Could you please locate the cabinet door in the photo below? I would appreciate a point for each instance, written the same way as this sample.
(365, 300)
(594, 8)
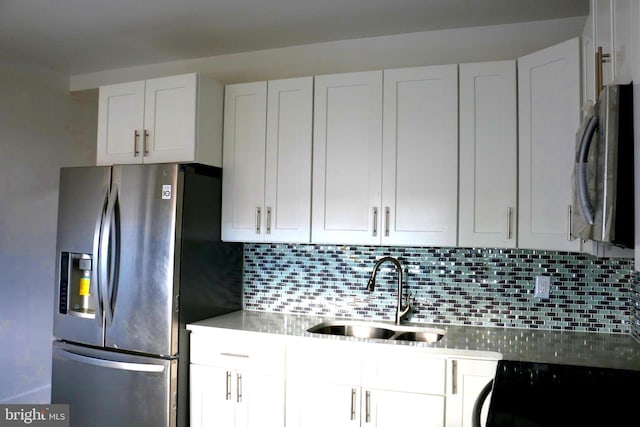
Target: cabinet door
(347, 158)
(588, 58)
(319, 404)
(613, 24)
(259, 400)
(603, 35)
(623, 22)
(243, 162)
(420, 156)
(170, 119)
(488, 154)
(287, 210)
(392, 408)
(120, 123)
(470, 377)
(211, 402)
(549, 117)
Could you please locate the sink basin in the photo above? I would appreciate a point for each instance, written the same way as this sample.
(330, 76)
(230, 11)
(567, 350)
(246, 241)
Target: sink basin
(351, 328)
(431, 335)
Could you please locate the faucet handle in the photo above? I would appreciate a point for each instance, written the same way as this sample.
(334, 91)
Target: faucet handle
(405, 310)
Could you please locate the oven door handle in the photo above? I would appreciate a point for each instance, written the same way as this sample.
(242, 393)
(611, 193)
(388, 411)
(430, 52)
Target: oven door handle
(582, 185)
(479, 403)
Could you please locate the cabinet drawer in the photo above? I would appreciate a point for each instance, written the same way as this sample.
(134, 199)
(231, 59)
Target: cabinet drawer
(324, 360)
(238, 350)
(404, 370)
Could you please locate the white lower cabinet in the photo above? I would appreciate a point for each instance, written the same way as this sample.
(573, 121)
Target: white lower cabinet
(240, 379)
(469, 377)
(346, 384)
(236, 381)
(226, 397)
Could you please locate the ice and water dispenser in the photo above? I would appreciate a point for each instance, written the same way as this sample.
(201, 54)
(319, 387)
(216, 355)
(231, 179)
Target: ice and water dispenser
(75, 285)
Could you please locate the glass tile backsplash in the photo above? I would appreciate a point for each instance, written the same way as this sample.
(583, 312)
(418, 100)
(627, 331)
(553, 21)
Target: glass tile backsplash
(462, 286)
(635, 298)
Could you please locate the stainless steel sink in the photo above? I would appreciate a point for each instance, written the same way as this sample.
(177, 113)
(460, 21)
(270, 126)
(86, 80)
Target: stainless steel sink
(430, 335)
(352, 328)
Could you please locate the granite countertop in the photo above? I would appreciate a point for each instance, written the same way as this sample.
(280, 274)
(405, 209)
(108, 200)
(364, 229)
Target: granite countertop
(564, 347)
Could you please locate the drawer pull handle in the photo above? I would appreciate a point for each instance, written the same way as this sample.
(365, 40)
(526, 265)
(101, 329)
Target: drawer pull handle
(246, 356)
(239, 388)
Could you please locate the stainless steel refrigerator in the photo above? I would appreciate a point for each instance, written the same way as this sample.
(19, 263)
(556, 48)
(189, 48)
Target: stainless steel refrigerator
(138, 256)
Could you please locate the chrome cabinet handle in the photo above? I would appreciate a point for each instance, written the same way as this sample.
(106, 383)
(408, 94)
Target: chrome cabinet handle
(238, 388)
(258, 219)
(601, 58)
(367, 406)
(145, 146)
(228, 384)
(375, 221)
(353, 404)
(509, 223)
(268, 220)
(570, 222)
(454, 377)
(136, 135)
(387, 212)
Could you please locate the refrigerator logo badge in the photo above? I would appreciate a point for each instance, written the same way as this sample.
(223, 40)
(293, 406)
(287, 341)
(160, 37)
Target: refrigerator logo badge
(166, 192)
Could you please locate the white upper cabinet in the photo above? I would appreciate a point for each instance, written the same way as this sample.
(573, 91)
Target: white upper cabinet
(399, 188)
(168, 119)
(347, 162)
(488, 155)
(609, 26)
(420, 156)
(267, 161)
(612, 30)
(549, 117)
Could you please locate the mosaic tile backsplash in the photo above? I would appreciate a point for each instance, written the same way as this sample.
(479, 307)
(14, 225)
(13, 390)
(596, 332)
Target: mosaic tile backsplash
(635, 318)
(478, 286)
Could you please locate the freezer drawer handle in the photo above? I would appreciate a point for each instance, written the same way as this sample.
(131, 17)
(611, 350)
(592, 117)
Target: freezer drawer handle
(123, 366)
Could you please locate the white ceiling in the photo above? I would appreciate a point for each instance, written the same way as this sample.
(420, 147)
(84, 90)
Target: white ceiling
(83, 36)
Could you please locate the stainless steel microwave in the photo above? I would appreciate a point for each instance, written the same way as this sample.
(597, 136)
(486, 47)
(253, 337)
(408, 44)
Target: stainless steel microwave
(603, 173)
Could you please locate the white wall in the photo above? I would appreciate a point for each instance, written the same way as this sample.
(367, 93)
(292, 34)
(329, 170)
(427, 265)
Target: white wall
(36, 139)
(405, 50)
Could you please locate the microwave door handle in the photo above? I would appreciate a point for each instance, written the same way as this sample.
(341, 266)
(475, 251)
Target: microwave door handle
(585, 205)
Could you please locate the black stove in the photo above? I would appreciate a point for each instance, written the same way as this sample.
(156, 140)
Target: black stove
(526, 394)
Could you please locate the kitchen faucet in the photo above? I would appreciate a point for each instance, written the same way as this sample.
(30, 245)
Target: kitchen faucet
(400, 310)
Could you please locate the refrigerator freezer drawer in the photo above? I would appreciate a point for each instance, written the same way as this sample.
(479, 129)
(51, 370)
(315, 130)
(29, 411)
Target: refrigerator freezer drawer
(105, 388)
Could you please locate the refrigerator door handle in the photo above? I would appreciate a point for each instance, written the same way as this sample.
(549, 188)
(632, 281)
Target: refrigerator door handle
(96, 258)
(105, 275)
(123, 366)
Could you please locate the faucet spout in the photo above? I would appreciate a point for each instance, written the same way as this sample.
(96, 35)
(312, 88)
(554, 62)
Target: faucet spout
(401, 310)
